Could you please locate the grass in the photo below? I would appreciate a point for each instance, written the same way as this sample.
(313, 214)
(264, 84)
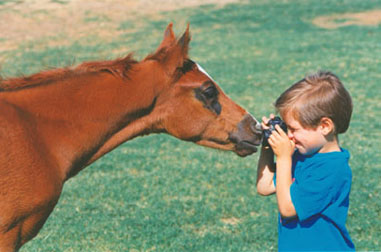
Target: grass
(159, 194)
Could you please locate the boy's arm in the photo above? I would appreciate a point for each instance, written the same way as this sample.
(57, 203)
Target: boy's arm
(283, 184)
(266, 166)
(265, 172)
(283, 148)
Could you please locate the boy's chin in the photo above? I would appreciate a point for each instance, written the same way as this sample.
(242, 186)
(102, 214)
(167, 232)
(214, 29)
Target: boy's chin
(306, 152)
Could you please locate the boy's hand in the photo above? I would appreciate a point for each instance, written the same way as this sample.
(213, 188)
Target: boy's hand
(265, 121)
(265, 126)
(280, 143)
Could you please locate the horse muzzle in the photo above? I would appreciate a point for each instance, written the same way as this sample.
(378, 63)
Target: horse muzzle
(247, 137)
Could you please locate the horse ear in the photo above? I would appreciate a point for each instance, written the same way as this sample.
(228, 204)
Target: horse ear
(168, 41)
(169, 38)
(183, 42)
(178, 53)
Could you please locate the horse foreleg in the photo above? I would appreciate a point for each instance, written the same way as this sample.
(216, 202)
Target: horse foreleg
(32, 225)
(10, 240)
(24, 229)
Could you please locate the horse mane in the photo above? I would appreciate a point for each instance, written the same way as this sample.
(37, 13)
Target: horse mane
(119, 68)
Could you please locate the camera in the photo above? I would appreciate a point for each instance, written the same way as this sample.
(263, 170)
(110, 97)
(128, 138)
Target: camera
(272, 123)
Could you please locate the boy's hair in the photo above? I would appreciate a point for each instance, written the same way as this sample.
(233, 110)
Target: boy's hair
(314, 97)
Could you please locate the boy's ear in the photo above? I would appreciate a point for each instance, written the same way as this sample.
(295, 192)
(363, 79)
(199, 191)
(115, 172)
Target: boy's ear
(327, 126)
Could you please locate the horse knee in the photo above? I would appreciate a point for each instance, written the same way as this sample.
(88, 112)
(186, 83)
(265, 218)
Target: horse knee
(10, 240)
(32, 225)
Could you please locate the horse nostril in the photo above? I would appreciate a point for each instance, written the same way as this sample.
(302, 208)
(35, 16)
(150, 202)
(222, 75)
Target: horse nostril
(256, 128)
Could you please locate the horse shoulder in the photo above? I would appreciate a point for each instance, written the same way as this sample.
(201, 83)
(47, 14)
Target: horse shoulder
(29, 186)
(25, 165)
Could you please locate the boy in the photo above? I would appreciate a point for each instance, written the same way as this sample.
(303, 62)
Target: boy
(312, 179)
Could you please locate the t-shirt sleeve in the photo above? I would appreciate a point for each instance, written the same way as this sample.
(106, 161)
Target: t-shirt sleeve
(313, 190)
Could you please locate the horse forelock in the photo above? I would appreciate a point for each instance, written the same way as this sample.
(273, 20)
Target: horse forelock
(119, 68)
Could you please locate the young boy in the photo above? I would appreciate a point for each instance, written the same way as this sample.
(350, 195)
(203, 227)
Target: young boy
(312, 176)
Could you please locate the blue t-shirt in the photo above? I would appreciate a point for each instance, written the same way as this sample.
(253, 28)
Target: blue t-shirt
(320, 194)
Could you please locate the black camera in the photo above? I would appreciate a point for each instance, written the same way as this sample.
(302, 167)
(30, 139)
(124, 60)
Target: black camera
(272, 123)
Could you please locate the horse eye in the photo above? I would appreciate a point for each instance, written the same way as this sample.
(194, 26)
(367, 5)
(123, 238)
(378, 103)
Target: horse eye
(210, 92)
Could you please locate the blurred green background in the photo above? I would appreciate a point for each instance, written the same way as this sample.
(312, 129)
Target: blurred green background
(157, 193)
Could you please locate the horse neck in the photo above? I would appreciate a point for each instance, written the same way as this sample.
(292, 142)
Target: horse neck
(77, 116)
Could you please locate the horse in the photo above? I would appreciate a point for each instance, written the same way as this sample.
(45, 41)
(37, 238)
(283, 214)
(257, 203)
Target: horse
(56, 122)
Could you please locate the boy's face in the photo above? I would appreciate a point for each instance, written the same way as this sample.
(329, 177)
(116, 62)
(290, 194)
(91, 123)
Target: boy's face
(307, 140)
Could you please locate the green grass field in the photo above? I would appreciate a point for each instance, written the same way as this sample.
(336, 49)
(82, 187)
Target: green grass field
(157, 193)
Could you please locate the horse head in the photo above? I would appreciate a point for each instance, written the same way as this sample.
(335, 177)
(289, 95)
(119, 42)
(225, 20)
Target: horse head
(191, 106)
(59, 121)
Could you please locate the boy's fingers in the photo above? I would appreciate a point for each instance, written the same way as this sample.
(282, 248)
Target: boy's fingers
(264, 126)
(264, 123)
(280, 130)
(271, 142)
(274, 133)
(274, 136)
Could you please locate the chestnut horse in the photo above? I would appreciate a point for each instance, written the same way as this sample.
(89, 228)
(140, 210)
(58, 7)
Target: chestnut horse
(55, 123)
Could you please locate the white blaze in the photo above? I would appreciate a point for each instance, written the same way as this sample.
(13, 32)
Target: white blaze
(258, 126)
(202, 70)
